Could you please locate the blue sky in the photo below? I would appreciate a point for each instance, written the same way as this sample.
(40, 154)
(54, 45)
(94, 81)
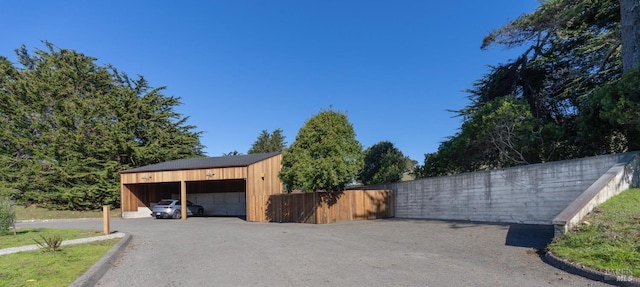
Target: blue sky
(240, 67)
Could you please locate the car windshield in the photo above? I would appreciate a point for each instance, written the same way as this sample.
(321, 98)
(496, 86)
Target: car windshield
(164, 202)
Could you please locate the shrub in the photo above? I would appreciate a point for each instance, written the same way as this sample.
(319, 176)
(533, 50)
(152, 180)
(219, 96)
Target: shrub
(7, 215)
(49, 244)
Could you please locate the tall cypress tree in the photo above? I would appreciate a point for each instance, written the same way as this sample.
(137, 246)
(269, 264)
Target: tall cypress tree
(544, 99)
(71, 125)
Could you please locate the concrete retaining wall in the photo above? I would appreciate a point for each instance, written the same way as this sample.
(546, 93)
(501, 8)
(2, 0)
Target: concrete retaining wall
(532, 194)
(618, 178)
(142, 212)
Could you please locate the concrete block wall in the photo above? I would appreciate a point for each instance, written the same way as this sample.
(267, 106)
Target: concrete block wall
(532, 194)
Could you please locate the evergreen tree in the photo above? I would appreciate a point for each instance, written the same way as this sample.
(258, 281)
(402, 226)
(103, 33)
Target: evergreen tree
(540, 106)
(268, 142)
(70, 126)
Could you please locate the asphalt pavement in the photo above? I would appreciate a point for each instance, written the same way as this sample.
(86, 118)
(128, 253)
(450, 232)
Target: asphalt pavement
(227, 251)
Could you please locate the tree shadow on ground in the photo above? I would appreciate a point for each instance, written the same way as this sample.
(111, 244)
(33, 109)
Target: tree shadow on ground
(529, 235)
(534, 236)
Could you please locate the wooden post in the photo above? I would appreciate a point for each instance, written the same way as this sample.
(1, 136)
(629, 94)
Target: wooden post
(183, 199)
(105, 220)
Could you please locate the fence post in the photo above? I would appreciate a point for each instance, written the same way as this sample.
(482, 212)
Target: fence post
(105, 220)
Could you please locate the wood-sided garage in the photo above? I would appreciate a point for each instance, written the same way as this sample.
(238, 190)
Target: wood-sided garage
(227, 185)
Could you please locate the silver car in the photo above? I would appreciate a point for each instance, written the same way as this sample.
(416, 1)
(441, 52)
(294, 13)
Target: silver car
(170, 208)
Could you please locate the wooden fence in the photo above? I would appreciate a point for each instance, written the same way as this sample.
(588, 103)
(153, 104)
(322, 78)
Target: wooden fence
(328, 207)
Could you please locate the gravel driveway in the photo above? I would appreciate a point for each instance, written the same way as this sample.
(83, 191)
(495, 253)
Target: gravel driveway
(232, 252)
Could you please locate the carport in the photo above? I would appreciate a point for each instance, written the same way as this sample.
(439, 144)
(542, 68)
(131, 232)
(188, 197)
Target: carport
(227, 185)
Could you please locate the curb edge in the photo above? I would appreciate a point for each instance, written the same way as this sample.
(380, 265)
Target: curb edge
(581, 270)
(98, 269)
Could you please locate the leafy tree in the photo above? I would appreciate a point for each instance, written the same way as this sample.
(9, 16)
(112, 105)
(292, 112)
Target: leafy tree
(232, 153)
(383, 163)
(69, 126)
(268, 142)
(324, 156)
(409, 164)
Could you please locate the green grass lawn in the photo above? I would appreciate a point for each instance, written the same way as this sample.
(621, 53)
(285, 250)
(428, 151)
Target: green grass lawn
(38, 213)
(60, 268)
(26, 236)
(609, 237)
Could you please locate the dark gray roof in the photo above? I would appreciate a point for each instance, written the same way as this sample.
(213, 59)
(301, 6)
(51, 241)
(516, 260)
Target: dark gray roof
(205, 162)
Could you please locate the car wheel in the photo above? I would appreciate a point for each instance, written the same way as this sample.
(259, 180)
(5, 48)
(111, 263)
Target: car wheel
(158, 217)
(177, 214)
(200, 212)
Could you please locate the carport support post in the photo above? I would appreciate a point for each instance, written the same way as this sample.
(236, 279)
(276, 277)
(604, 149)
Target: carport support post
(105, 220)
(183, 199)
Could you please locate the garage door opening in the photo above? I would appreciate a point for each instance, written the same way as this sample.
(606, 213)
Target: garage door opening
(219, 197)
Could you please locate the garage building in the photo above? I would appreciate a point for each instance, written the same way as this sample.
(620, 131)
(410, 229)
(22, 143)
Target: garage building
(224, 186)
